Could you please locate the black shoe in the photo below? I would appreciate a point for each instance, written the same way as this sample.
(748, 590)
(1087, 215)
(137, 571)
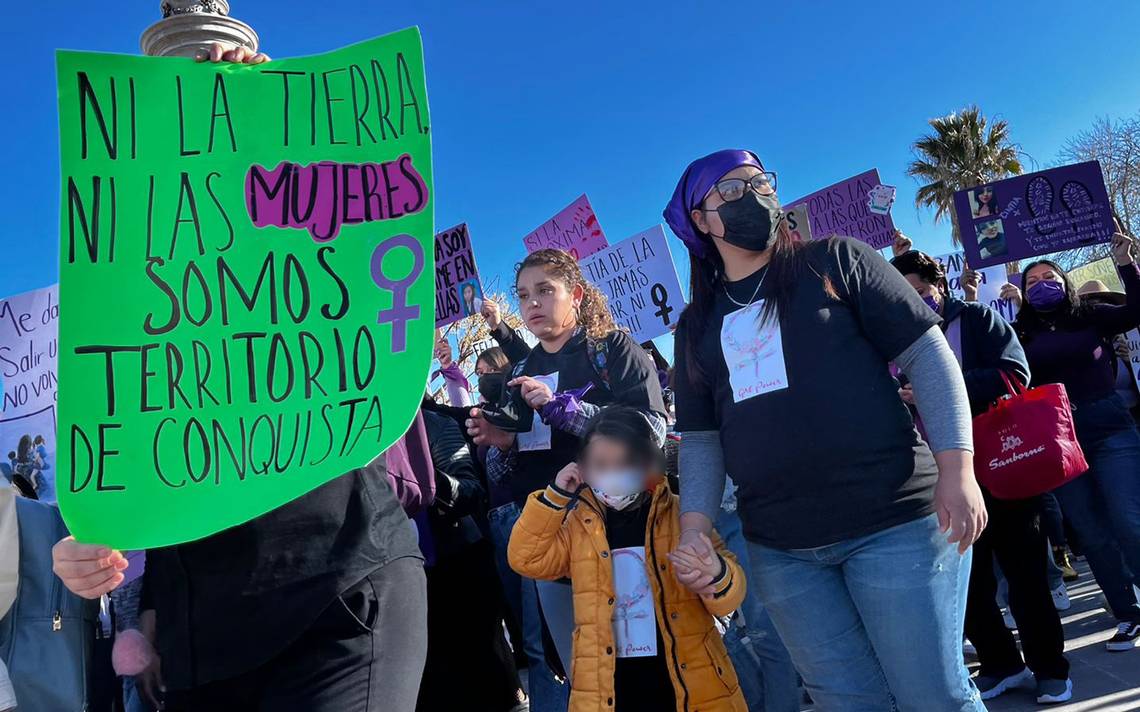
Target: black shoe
(1127, 637)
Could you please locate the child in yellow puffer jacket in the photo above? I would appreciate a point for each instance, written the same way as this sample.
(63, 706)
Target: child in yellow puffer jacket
(642, 640)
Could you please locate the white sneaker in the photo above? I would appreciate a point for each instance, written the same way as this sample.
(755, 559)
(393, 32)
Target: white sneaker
(991, 687)
(968, 649)
(1061, 598)
(1008, 618)
(1051, 692)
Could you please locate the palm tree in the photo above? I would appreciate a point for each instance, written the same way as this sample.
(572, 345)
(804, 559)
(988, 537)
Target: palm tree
(963, 150)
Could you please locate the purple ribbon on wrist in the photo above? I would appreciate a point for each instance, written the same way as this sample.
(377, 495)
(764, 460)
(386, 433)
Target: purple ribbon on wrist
(559, 412)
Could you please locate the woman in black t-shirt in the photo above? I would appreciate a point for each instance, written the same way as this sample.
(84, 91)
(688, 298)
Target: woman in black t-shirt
(782, 381)
(582, 364)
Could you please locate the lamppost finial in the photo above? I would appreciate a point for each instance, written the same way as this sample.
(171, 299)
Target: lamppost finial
(188, 26)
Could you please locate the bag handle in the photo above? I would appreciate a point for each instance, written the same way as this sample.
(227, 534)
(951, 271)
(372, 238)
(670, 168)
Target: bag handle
(1014, 386)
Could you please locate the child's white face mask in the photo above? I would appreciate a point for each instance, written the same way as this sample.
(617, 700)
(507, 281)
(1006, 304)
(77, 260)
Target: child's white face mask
(617, 489)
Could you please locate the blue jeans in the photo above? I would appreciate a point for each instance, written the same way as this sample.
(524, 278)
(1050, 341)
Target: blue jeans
(1103, 505)
(547, 694)
(132, 698)
(763, 665)
(874, 623)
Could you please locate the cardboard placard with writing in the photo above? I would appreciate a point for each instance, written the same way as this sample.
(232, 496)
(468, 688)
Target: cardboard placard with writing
(844, 210)
(574, 229)
(1034, 214)
(458, 292)
(991, 280)
(29, 329)
(640, 281)
(246, 262)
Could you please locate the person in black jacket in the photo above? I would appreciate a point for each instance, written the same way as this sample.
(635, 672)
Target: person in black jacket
(987, 347)
(469, 664)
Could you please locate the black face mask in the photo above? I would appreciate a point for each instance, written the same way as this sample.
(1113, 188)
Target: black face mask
(751, 222)
(491, 386)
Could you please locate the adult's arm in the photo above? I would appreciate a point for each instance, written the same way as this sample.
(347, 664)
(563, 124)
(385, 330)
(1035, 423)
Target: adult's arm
(459, 491)
(633, 381)
(1111, 320)
(702, 475)
(997, 349)
(511, 342)
(939, 391)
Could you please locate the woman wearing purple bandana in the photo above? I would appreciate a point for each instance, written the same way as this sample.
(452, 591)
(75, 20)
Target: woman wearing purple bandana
(858, 532)
(1069, 341)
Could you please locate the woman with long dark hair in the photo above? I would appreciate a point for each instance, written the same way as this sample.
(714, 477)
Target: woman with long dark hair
(988, 349)
(1069, 341)
(858, 534)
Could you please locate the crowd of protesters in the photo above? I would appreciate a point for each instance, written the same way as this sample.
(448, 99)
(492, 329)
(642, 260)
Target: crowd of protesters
(791, 512)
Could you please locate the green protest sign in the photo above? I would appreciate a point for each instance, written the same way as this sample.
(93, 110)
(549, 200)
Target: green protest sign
(246, 281)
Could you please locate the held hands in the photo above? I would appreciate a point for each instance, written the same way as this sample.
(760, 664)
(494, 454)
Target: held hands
(87, 570)
(902, 244)
(534, 392)
(443, 353)
(491, 314)
(971, 280)
(237, 55)
(483, 433)
(1123, 246)
(569, 478)
(959, 505)
(1012, 294)
(696, 563)
(907, 394)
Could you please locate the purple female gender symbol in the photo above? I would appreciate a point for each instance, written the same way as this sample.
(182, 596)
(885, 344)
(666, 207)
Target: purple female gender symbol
(400, 312)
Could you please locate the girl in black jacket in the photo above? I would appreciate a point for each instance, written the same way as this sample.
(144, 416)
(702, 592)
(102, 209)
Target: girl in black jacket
(987, 347)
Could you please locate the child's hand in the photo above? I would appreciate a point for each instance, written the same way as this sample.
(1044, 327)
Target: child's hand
(697, 569)
(569, 478)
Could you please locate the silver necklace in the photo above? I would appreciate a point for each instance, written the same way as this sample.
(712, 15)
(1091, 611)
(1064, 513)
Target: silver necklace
(754, 292)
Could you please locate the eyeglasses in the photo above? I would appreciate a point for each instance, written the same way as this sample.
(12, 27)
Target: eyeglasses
(732, 189)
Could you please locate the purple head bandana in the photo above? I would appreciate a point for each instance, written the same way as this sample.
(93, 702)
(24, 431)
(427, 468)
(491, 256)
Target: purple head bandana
(695, 183)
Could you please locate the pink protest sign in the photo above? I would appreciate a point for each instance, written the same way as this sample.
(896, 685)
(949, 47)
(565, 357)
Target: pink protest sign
(845, 209)
(575, 229)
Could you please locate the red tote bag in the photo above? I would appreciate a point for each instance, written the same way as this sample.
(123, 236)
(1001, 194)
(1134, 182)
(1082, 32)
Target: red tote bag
(1026, 444)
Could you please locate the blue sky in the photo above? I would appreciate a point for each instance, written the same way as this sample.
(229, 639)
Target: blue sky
(534, 103)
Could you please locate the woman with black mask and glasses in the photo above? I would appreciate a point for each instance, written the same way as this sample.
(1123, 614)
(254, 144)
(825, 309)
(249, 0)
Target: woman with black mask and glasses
(859, 532)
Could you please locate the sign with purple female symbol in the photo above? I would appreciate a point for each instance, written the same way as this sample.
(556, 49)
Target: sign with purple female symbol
(247, 266)
(640, 283)
(574, 229)
(1034, 214)
(858, 207)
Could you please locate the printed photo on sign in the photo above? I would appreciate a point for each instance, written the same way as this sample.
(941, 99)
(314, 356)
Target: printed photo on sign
(983, 204)
(470, 297)
(634, 620)
(1034, 214)
(754, 353)
(640, 282)
(539, 436)
(991, 239)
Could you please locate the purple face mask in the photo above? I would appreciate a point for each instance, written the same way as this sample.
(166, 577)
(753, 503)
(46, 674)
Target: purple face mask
(1046, 295)
(932, 302)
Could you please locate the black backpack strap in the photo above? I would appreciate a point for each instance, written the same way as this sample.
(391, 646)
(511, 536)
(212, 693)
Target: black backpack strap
(599, 351)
